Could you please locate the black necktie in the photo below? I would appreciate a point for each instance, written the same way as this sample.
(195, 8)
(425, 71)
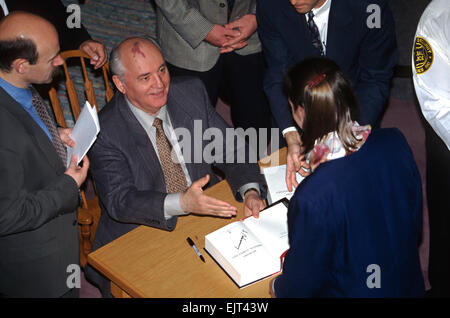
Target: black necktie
(316, 42)
(38, 104)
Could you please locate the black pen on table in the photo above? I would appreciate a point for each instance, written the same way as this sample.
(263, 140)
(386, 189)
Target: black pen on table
(191, 243)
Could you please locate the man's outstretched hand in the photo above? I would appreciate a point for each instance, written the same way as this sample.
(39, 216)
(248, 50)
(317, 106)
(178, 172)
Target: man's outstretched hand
(195, 201)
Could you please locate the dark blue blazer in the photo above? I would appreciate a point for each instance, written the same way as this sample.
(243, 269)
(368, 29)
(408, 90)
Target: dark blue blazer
(355, 225)
(366, 56)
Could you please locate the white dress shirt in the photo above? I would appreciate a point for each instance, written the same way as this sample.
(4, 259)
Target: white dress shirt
(321, 19)
(431, 67)
(172, 205)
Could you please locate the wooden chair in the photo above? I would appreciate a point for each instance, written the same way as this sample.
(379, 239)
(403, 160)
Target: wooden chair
(89, 212)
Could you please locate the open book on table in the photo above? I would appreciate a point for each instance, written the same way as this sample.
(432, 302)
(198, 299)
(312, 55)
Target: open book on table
(84, 133)
(251, 249)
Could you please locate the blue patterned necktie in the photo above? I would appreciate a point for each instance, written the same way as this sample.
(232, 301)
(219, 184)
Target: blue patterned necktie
(42, 111)
(316, 42)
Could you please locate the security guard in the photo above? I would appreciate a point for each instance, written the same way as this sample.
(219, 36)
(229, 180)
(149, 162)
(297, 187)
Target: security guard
(431, 75)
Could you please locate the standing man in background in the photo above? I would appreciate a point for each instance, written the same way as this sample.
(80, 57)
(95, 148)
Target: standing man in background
(358, 35)
(217, 41)
(431, 76)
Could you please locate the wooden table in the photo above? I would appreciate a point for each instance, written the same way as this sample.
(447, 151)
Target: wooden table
(149, 262)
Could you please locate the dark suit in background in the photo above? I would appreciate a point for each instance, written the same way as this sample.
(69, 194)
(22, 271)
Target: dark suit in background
(38, 209)
(128, 173)
(182, 26)
(366, 56)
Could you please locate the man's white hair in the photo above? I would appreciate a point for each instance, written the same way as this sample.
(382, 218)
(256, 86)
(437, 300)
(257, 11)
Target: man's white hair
(115, 62)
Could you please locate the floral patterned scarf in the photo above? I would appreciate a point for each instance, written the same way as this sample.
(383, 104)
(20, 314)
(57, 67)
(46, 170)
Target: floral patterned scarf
(330, 146)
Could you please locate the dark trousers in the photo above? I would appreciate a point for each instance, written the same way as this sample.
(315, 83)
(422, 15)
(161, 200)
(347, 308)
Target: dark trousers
(239, 80)
(438, 196)
(96, 278)
(73, 293)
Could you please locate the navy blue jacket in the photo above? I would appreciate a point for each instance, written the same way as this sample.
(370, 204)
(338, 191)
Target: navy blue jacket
(365, 55)
(355, 225)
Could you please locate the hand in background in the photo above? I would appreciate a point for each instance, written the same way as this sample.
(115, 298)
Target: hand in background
(293, 159)
(220, 35)
(195, 201)
(64, 134)
(97, 52)
(252, 203)
(78, 173)
(247, 25)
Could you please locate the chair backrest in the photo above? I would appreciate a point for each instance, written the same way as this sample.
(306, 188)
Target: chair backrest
(71, 90)
(73, 96)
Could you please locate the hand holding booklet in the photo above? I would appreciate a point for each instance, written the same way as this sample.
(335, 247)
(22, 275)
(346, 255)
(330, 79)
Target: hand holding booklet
(252, 249)
(276, 183)
(84, 133)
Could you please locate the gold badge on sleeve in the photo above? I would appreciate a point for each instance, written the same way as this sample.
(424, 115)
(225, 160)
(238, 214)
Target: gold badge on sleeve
(423, 55)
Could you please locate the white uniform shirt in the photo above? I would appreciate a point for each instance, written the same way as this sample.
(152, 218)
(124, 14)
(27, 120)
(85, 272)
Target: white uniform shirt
(4, 7)
(431, 67)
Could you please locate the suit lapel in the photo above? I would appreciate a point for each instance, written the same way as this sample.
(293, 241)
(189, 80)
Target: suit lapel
(33, 129)
(339, 28)
(294, 27)
(181, 119)
(140, 138)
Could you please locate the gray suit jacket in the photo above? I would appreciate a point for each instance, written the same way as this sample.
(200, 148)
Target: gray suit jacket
(182, 26)
(127, 171)
(38, 202)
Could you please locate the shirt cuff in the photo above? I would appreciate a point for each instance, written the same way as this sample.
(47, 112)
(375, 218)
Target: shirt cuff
(172, 206)
(289, 129)
(248, 186)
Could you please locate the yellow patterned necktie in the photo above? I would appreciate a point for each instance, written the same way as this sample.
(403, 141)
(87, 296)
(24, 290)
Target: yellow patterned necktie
(173, 173)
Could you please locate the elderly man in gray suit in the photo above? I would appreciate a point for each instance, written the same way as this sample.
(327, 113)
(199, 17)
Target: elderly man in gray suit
(217, 41)
(142, 176)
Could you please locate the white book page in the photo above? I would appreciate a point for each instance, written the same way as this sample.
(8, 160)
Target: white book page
(271, 228)
(84, 133)
(276, 183)
(242, 254)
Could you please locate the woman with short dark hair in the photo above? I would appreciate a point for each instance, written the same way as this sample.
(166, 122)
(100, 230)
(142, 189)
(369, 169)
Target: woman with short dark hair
(355, 222)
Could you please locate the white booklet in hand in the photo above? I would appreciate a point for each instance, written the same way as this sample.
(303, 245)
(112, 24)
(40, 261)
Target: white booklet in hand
(251, 249)
(276, 183)
(84, 133)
